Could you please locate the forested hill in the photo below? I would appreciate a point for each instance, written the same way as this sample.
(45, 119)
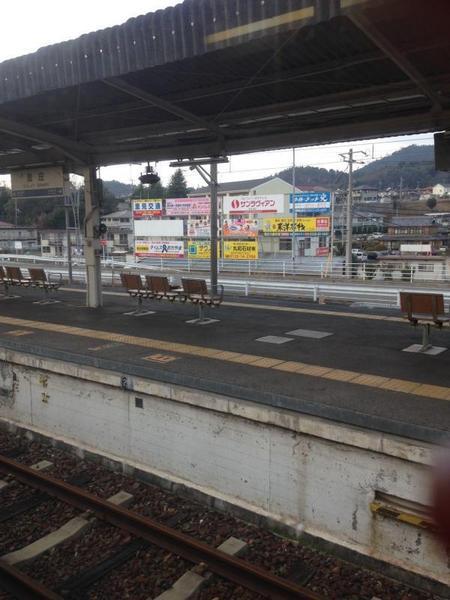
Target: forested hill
(415, 164)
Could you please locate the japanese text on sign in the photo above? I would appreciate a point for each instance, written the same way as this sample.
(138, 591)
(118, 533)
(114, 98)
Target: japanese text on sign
(302, 225)
(146, 208)
(201, 249)
(242, 205)
(160, 249)
(240, 250)
(313, 202)
(177, 207)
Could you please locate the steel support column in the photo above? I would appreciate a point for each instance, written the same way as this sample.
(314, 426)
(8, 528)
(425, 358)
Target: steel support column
(214, 237)
(91, 242)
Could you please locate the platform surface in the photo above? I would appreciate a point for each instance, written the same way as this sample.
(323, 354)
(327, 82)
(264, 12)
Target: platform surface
(330, 361)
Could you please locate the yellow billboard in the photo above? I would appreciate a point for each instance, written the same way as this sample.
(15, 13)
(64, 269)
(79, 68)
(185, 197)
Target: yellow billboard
(302, 225)
(240, 250)
(201, 249)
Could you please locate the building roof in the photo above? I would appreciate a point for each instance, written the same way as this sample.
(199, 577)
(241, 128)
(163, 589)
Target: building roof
(234, 186)
(423, 221)
(118, 214)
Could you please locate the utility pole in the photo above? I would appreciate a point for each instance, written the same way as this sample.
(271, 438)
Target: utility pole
(400, 196)
(294, 206)
(349, 158)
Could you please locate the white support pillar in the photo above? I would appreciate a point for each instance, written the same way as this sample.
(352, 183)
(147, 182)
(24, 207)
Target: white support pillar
(91, 241)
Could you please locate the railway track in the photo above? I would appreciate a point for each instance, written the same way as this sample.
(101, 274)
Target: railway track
(149, 551)
(231, 568)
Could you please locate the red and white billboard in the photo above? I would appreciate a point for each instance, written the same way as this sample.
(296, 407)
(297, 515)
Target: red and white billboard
(181, 207)
(246, 205)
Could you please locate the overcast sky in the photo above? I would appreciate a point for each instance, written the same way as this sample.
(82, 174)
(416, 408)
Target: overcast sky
(30, 24)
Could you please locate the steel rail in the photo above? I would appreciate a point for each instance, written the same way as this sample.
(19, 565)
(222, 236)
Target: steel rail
(22, 586)
(231, 568)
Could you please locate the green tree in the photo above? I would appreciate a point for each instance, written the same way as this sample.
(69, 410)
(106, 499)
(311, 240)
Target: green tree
(177, 187)
(431, 202)
(156, 191)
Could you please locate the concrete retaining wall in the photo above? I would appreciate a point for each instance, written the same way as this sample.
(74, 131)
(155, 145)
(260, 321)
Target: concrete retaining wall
(305, 472)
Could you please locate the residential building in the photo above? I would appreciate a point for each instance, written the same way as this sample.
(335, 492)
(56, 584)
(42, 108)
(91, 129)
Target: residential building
(18, 239)
(441, 190)
(120, 230)
(365, 194)
(416, 230)
(54, 243)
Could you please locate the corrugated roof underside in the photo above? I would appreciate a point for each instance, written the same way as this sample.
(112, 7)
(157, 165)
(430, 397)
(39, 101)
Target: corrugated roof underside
(154, 39)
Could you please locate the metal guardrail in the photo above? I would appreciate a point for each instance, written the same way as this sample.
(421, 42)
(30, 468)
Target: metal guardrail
(283, 268)
(316, 290)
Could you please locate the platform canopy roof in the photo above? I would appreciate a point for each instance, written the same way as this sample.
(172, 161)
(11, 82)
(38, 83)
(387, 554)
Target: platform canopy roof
(212, 77)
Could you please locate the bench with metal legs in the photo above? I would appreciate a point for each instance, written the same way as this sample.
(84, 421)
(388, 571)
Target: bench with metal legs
(426, 311)
(196, 291)
(133, 285)
(161, 289)
(41, 281)
(16, 278)
(5, 282)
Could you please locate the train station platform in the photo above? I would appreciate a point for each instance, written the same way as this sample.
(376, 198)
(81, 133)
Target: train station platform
(333, 362)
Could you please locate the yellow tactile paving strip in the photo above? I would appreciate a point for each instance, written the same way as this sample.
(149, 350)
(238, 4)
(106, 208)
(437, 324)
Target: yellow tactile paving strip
(264, 362)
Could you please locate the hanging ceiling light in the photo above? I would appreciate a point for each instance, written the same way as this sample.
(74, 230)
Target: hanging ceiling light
(150, 177)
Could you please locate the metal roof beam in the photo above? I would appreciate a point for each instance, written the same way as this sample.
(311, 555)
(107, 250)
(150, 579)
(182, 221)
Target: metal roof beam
(405, 124)
(131, 90)
(77, 151)
(397, 57)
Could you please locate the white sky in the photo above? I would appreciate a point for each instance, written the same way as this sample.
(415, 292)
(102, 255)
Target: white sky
(30, 24)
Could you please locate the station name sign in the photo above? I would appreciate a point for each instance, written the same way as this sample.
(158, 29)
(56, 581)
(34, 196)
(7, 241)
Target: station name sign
(47, 182)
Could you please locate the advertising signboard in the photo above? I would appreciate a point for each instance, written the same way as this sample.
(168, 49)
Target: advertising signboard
(158, 228)
(47, 182)
(239, 227)
(240, 250)
(302, 225)
(322, 251)
(311, 202)
(159, 249)
(246, 205)
(143, 209)
(180, 207)
(200, 227)
(201, 249)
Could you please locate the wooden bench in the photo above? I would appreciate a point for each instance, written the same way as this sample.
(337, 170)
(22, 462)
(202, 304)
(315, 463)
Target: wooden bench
(161, 289)
(40, 280)
(133, 285)
(196, 291)
(426, 311)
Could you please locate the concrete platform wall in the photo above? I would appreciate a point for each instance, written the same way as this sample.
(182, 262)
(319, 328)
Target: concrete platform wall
(300, 471)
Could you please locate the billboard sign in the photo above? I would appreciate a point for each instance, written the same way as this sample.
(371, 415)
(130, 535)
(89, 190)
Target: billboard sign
(201, 249)
(47, 182)
(181, 207)
(200, 227)
(283, 225)
(239, 227)
(159, 249)
(143, 209)
(246, 205)
(311, 202)
(240, 250)
(158, 228)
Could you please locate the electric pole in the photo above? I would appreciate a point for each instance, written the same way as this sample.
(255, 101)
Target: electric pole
(349, 158)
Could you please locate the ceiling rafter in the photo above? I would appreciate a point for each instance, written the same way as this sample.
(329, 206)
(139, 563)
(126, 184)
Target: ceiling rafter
(397, 57)
(77, 151)
(169, 107)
